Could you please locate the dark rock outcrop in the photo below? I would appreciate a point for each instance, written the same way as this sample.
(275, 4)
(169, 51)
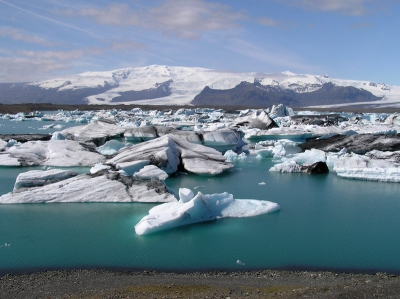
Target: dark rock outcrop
(257, 95)
(25, 137)
(317, 168)
(359, 144)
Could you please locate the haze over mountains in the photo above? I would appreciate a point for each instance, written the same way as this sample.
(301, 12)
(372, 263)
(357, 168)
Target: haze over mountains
(165, 85)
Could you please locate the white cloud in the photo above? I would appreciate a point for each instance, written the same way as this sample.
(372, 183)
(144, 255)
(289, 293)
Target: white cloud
(23, 69)
(267, 22)
(348, 7)
(182, 18)
(272, 58)
(50, 55)
(20, 35)
(124, 45)
(23, 66)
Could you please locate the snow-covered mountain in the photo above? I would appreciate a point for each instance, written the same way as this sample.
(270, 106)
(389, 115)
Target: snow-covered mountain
(166, 85)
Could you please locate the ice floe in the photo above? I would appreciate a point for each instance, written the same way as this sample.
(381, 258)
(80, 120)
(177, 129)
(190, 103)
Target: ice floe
(169, 153)
(111, 187)
(36, 178)
(375, 166)
(97, 132)
(50, 153)
(199, 208)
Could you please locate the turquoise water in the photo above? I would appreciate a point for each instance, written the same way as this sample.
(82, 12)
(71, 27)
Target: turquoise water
(32, 126)
(325, 222)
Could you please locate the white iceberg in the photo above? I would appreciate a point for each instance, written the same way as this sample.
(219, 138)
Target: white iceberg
(35, 178)
(96, 132)
(374, 166)
(50, 153)
(151, 172)
(99, 167)
(200, 208)
(169, 152)
(85, 188)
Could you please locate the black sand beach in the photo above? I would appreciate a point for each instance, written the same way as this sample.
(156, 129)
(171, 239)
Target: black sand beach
(148, 284)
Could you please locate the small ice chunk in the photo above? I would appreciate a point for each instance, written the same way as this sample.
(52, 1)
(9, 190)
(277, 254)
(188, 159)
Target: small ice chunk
(57, 136)
(131, 167)
(239, 262)
(99, 167)
(110, 147)
(185, 194)
(151, 172)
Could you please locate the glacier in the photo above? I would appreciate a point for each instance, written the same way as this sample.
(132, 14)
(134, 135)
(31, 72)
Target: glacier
(192, 209)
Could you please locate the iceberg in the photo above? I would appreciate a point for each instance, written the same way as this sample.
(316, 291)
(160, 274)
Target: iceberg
(98, 167)
(3, 145)
(50, 153)
(97, 132)
(258, 119)
(374, 166)
(111, 147)
(199, 208)
(291, 166)
(170, 152)
(151, 172)
(35, 178)
(111, 187)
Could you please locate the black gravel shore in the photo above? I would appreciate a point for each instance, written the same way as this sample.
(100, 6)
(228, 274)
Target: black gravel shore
(148, 284)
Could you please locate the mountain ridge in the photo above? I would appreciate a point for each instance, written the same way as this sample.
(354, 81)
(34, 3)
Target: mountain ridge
(170, 85)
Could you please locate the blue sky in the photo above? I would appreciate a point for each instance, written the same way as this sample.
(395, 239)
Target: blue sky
(349, 39)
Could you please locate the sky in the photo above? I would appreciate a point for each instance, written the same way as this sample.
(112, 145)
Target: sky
(347, 39)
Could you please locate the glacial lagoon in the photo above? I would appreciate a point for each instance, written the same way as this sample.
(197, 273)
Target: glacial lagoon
(325, 222)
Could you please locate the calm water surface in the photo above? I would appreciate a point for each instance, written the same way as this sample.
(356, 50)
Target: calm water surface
(325, 222)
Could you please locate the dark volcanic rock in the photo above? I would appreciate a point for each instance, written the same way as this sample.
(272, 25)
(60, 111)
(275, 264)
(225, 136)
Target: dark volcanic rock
(359, 144)
(26, 137)
(318, 168)
(319, 120)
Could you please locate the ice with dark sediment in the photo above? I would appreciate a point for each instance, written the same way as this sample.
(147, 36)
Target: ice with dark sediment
(36, 178)
(50, 153)
(97, 132)
(110, 187)
(170, 152)
(200, 208)
(151, 172)
(258, 119)
(222, 140)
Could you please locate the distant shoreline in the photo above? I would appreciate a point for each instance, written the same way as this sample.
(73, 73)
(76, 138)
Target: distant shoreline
(32, 107)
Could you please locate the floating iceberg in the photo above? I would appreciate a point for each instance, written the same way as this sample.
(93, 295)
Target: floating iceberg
(111, 147)
(50, 153)
(151, 172)
(374, 166)
(292, 166)
(192, 209)
(85, 188)
(96, 132)
(259, 119)
(35, 178)
(170, 152)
